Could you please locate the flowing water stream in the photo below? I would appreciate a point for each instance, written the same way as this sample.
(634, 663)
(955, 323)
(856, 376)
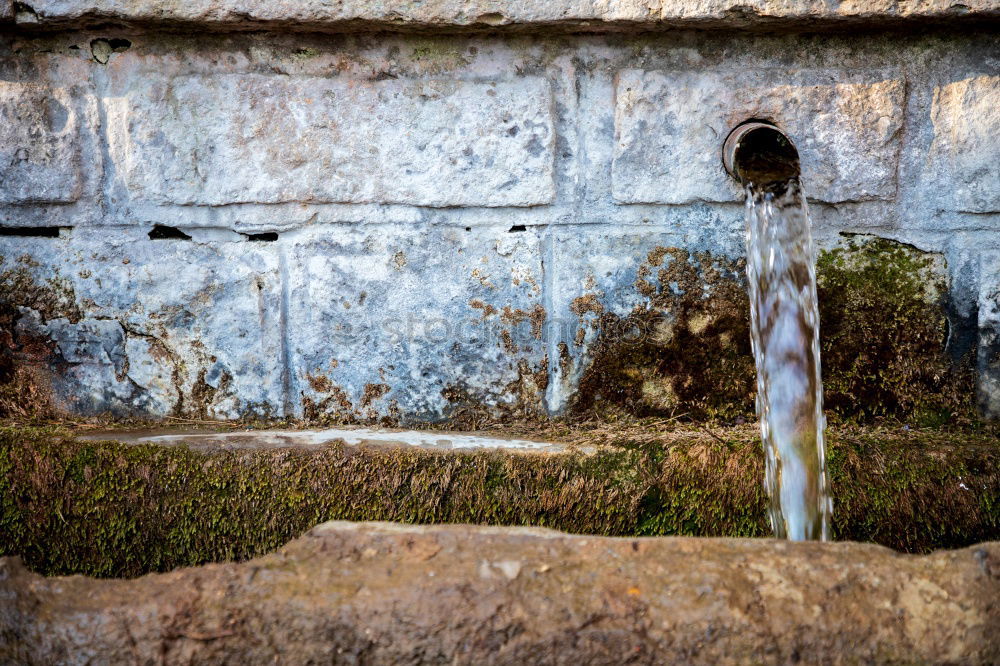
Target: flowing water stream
(785, 335)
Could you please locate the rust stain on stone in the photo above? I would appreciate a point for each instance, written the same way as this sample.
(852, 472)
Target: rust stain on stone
(372, 393)
(581, 305)
(28, 358)
(537, 317)
(319, 383)
(520, 399)
(508, 342)
(487, 309)
(512, 316)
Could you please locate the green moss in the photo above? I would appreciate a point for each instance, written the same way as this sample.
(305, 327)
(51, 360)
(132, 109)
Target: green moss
(110, 509)
(686, 350)
(438, 54)
(883, 332)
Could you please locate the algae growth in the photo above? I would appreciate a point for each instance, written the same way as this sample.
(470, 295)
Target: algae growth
(883, 333)
(113, 509)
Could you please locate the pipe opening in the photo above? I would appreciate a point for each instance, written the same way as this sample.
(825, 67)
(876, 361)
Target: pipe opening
(758, 153)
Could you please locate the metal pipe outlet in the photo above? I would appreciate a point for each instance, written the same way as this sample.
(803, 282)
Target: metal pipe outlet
(760, 153)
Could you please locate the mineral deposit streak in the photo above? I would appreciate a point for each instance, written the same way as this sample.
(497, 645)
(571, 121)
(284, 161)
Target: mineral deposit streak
(785, 337)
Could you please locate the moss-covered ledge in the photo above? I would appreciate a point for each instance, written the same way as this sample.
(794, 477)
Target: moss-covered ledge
(112, 509)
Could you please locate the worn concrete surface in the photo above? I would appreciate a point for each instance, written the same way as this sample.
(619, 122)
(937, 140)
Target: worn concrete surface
(438, 204)
(363, 593)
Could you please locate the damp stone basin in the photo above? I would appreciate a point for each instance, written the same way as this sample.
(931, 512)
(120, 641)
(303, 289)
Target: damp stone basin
(201, 440)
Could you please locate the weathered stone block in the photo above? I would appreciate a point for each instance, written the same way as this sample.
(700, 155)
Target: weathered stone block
(39, 151)
(150, 328)
(669, 129)
(398, 322)
(267, 139)
(964, 158)
(646, 325)
(389, 593)
(494, 14)
(989, 335)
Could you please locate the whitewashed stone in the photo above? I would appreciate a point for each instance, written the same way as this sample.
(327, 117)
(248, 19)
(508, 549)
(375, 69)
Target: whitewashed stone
(39, 149)
(265, 139)
(670, 126)
(388, 322)
(966, 150)
(989, 335)
(93, 370)
(158, 327)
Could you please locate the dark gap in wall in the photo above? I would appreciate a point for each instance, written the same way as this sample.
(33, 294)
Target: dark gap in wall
(34, 232)
(516, 228)
(468, 228)
(22, 8)
(163, 232)
(265, 237)
(102, 48)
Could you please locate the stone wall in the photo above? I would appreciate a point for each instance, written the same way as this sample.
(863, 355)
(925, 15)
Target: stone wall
(311, 220)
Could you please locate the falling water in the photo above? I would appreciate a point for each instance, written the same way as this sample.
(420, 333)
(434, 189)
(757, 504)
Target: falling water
(785, 336)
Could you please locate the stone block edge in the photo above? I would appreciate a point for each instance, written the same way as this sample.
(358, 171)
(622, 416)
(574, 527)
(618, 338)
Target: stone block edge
(502, 15)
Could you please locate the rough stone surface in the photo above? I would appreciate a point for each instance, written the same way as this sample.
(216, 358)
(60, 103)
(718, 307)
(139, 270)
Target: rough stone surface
(492, 14)
(597, 271)
(847, 133)
(966, 115)
(39, 147)
(386, 593)
(393, 321)
(390, 167)
(164, 327)
(989, 336)
(212, 140)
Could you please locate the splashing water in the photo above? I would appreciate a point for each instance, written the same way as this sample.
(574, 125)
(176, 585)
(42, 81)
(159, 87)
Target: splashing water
(784, 329)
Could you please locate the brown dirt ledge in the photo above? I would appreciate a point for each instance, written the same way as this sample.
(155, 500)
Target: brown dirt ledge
(368, 593)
